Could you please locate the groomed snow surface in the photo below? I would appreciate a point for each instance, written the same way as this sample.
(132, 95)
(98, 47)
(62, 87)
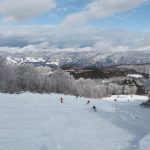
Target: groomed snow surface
(40, 122)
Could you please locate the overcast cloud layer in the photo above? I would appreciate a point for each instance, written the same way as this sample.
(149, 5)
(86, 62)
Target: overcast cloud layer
(71, 32)
(27, 38)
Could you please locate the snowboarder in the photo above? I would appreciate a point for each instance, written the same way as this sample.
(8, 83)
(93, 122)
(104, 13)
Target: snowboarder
(61, 100)
(94, 108)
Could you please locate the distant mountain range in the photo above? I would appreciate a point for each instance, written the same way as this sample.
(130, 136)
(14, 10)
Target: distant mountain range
(82, 60)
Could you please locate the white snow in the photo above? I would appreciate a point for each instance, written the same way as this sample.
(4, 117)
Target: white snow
(14, 60)
(40, 59)
(125, 98)
(10, 60)
(55, 63)
(145, 142)
(135, 75)
(31, 59)
(40, 122)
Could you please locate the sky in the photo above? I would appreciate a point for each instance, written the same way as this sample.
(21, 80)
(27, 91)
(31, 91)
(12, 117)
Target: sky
(78, 25)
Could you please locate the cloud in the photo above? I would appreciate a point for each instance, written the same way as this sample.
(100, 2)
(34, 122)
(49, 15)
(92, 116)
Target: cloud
(100, 9)
(12, 10)
(49, 38)
(71, 35)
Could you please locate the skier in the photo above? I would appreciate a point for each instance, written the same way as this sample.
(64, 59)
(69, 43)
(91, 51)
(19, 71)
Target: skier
(117, 109)
(77, 95)
(94, 108)
(115, 100)
(88, 102)
(61, 100)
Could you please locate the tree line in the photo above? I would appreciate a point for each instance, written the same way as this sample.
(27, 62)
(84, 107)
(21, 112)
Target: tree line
(22, 78)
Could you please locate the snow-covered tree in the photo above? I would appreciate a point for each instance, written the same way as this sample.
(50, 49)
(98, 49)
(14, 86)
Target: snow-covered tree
(61, 82)
(133, 90)
(16, 78)
(127, 90)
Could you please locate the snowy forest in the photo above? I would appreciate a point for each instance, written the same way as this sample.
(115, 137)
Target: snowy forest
(21, 78)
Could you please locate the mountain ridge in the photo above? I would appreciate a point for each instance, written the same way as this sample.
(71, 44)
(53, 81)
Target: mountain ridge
(82, 60)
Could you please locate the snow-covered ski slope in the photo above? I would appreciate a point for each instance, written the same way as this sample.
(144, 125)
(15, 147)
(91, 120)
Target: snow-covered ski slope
(40, 122)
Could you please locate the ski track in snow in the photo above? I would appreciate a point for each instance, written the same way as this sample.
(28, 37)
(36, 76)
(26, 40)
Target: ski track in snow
(119, 119)
(40, 122)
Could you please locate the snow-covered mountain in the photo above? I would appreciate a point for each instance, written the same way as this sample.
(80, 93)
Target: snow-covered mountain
(80, 59)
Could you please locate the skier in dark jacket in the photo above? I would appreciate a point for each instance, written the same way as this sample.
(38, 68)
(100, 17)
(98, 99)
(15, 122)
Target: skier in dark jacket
(88, 102)
(61, 100)
(94, 108)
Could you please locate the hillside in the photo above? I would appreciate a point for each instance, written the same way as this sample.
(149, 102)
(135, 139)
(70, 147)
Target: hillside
(40, 122)
(105, 73)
